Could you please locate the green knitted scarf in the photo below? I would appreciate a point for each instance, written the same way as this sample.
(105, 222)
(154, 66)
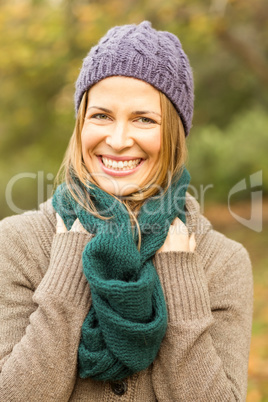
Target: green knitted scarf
(127, 321)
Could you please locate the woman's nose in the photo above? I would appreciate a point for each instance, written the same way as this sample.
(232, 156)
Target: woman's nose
(120, 137)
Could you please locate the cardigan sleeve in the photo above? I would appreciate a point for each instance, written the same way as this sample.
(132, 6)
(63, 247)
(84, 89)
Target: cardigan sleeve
(40, 327)
(204, 355)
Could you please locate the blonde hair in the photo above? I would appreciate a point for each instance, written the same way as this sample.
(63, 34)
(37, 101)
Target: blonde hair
(173, 155)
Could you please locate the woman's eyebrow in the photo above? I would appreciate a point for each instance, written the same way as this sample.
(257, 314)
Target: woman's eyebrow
(140, 112)
(146, 112)
(100, 108)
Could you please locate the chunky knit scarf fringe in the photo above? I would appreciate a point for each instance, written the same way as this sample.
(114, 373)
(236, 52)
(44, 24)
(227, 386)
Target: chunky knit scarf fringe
(127, 321)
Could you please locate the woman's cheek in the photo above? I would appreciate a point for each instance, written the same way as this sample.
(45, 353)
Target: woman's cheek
(152, 143)
(89, 139)
(157, 142)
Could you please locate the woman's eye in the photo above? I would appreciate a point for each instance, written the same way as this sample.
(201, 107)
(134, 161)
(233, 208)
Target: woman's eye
(145, 120)
(100, 116)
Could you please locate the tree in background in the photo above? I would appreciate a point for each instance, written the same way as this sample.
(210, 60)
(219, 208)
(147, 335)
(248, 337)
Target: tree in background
(42, 43)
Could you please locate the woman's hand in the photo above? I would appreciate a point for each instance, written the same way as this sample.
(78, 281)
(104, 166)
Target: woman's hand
(178, 238)
(77, 226)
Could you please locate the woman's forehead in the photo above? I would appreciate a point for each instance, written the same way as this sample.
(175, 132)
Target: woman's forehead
(126, 91)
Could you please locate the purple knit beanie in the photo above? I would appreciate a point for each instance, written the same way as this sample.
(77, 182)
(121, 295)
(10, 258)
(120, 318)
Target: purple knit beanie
(141, 52)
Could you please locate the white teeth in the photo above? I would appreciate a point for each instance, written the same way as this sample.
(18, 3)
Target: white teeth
(120, 165)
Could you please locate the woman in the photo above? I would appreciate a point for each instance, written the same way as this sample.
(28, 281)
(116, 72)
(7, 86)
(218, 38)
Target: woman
(117, 287)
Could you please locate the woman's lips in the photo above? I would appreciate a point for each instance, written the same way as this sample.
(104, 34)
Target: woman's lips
(119, 173)
(119, 158)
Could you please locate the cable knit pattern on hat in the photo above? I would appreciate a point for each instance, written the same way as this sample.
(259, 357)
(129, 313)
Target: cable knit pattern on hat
(124, 328)
(141, 52)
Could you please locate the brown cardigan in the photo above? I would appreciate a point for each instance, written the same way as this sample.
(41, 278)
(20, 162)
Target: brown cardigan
(44, 298)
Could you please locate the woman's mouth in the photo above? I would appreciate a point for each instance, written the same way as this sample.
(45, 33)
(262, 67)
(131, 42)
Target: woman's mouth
(120, 167)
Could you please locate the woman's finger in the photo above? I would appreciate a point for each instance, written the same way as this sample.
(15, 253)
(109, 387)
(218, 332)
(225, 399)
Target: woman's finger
(178, 227)
(60, 228)
(78, 227)
(192, 242)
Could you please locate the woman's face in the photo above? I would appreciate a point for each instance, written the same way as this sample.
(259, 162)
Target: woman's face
(121, 134)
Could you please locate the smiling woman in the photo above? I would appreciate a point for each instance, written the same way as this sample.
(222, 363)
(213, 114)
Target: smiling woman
(164, 142)
(121, 148)
(118, 285)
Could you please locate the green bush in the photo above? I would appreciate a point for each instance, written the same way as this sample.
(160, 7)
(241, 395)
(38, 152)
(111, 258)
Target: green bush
(224, 157)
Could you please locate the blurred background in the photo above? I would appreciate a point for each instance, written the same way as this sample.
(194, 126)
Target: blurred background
(42, 44)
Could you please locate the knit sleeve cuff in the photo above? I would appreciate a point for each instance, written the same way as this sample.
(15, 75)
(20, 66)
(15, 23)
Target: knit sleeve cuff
(64, 277)
(184, 284)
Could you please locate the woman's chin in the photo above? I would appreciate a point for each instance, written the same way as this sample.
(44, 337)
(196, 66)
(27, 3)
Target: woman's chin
(117, 186)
